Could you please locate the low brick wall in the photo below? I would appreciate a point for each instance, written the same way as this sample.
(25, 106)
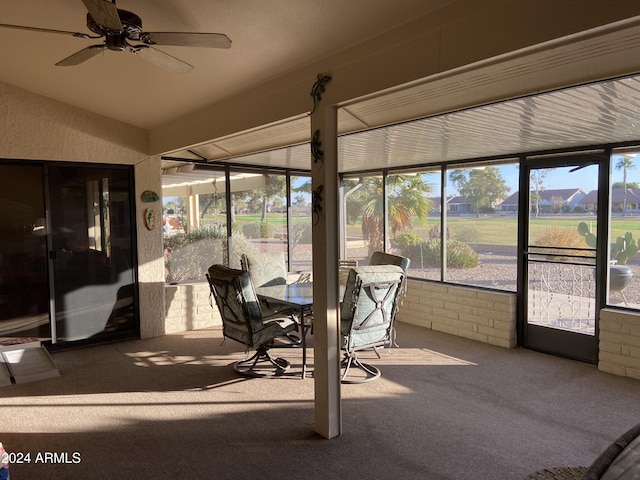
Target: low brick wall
(619, 342)
(187, 307)
(481, 315)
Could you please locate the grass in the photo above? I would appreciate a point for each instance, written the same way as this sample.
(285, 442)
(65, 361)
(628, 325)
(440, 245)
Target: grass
(492, 230)
(503, 230)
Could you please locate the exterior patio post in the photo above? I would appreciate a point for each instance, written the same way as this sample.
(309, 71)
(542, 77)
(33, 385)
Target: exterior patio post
(324, 182)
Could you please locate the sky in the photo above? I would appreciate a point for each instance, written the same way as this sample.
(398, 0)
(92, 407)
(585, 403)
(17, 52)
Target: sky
(560, 178)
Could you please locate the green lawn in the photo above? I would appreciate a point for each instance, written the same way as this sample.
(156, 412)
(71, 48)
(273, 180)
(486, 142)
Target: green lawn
(502, 230)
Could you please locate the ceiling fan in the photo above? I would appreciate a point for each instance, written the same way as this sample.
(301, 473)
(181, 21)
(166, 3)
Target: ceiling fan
(122, 30)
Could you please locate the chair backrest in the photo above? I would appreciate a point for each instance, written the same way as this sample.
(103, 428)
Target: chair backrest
(344, 266)
(266, 269)
(237, 302)
(382, 258)
(368, 306)
(620, 460)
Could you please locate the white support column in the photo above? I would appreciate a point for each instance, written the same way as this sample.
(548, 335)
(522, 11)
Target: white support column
(193, 217)
(324, 171)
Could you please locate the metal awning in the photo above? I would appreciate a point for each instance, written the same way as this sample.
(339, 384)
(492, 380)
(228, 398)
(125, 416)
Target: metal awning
(594, 114)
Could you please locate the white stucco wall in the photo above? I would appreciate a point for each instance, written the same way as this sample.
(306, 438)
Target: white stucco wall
(33, 127)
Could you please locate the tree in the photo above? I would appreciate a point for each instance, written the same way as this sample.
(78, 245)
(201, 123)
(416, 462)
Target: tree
(276, 187)
(537, 179)
(407, 199)
(481, 187)
(624, 164)
(620, 185)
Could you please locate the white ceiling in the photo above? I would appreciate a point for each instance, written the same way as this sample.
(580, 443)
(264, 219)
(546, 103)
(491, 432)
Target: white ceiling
(273, 37)
(270, 37)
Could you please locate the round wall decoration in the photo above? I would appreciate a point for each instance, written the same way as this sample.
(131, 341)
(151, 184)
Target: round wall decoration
(150, 218)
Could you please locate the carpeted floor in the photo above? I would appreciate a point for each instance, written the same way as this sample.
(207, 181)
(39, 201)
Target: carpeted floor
(445, 408)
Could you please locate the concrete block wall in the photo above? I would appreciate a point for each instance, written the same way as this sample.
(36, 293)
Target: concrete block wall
(480, 315)
(619, 343)
(187, 307)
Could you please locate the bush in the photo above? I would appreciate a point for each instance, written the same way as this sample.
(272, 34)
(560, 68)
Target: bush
(466, 232)
(560, 237)
(188, 256)
(301, 233)
(209, 232)
(407, 239)
(258, 230)
(459, 254)
(486, 210)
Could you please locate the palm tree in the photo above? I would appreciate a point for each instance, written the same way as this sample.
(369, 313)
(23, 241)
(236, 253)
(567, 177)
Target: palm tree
(407, 196)
(624, 164)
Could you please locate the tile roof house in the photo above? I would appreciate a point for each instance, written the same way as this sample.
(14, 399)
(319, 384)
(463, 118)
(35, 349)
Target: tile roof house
(590, 201)
(549, 201)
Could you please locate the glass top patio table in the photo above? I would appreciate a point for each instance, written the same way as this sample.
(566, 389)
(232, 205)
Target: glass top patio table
(296, 295)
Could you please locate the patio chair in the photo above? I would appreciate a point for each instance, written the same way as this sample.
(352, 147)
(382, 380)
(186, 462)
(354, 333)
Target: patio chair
(620, 461)
(366, 314)
(243, 321)
(382, 258)
(344, 266)
(267, 270)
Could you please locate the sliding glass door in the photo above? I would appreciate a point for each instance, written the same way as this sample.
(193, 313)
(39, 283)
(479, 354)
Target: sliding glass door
(67, 268)
(24, 287)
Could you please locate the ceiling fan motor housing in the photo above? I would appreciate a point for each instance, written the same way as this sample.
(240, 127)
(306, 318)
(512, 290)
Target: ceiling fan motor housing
(131, 26)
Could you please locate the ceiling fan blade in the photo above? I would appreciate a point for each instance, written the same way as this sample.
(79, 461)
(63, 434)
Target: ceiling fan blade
(104, 13)
(186, 39)
(46, 30)
(161, 59)
(81, 56)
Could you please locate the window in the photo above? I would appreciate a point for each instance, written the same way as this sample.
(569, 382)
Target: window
(258, 215)
(414, 220)
(300, 241)
(364, 216)
(194, 223)
(482, 225)
(624, 229)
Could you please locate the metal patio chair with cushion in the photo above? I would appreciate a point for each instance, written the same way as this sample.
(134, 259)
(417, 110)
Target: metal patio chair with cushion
(267, 270)
(620, 461)
(243, 321)
(366, 314)
(344, 266)
(382, 258)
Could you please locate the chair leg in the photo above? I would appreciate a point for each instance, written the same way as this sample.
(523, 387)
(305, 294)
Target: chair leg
(351, 359)
(261, 364)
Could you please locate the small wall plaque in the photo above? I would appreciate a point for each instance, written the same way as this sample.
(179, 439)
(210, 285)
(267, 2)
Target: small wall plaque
(150, 218)
(149, 196)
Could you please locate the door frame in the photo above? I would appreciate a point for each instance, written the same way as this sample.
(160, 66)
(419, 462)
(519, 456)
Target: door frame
(558, 342)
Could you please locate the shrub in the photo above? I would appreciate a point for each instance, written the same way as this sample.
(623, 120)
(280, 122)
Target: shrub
(466, 232)
(556, 236)
(188, 256)
(258, 230)
(459, 254)
(409, 245)
(204, 233)
(301, 233)
(407, 239)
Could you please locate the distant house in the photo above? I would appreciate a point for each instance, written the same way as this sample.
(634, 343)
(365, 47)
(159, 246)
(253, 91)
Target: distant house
(509, 204)
(549, 201)
(590, 201)
(459, 205)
